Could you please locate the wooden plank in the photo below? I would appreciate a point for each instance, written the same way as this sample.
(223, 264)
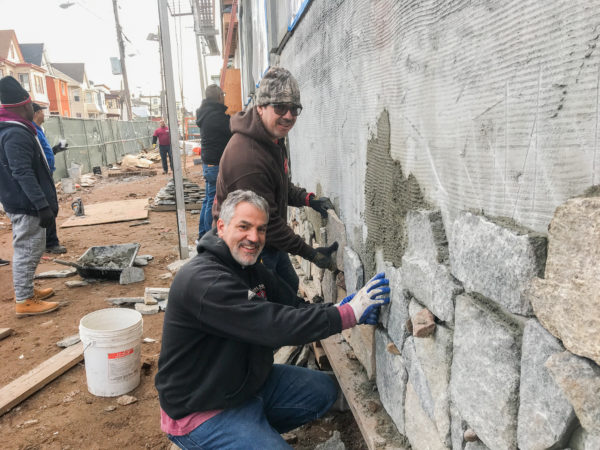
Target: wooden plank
(109, 212)
(135, 173)
(353, 379)
(18, 390)
(5, 332)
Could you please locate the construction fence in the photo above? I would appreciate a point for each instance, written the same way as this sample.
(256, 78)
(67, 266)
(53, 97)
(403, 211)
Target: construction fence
(94, 142)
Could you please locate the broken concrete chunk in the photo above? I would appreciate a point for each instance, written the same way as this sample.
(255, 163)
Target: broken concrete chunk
(76, 283)
(423, 324)
(333, 443)
(146, 257)
(353, 271)
(124, 300)
(163, 305)
(131, 275)
(140, 262)
(147, 309)
(148, 340)
(165, 276)
(57, 273)
(156, 293)
(125, 400)
(175, 266)
(68, 341)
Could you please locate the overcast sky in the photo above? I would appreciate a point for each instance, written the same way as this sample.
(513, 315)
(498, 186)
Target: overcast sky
(85, 32)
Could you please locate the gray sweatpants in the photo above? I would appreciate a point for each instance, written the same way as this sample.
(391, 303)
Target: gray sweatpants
(29, 242)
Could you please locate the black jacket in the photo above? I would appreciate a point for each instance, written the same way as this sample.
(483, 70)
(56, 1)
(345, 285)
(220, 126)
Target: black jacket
(26, 184)
(214, 130)
(221, 326)
(253, 161)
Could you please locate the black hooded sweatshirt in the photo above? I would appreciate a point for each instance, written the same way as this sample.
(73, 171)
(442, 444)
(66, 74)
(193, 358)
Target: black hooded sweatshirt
(214, 130)
(221, 326)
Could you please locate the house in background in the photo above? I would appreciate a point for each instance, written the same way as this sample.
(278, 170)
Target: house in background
(114, 104)
(82, 95)
(12, 62)
(57, 83)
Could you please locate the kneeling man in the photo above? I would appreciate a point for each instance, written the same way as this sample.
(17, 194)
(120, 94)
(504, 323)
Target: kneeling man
(217, 384)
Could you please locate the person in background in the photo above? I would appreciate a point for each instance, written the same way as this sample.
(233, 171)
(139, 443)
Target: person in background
(164, 144)
(215, 134)
(27, 194)
(256, 159)
(52, 243)
(217, 384)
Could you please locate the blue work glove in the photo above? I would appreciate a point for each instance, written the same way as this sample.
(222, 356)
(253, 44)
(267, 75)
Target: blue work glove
(372, 318)
(369, 299)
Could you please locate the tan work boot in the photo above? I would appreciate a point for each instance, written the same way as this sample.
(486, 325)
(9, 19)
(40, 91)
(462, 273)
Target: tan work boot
(33, 306)
(43, 294)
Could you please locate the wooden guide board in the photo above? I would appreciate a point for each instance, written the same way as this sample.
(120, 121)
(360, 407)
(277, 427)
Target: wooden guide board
(18, 390)
(108, 212)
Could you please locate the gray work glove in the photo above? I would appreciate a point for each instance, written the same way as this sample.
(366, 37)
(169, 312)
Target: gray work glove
(322, 257)
(321, 205)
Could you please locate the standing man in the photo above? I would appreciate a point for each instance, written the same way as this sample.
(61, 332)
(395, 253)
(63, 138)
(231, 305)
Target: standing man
(215, 134)
(27, 193)
(52, 243)
(256, 159)
(216, 381)
(164, 145)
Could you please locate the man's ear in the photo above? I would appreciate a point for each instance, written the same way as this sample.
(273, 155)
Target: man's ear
(220, 227)
(260, 110)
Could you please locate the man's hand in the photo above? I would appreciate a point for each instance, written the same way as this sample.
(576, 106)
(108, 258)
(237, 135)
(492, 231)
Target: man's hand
(321, 205)
(59, 147)
(46, 217)
(153, 145)
(370, 298)
(322, 257)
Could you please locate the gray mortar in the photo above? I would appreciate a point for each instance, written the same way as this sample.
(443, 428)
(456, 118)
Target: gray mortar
(388, 197)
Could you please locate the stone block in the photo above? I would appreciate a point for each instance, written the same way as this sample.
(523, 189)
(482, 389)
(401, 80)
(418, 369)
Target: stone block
(476, 445)
(420, 429)
(123, 300)
(329, 287)
(423, 324)
(582, 440)
(579, 379)
(391, 379)
(362, 340)
(546, 417)
(432, 284)
(76, 283)
(428, 362)
(176, 265)
(353, 271)
(336, 231)
(68, 341)
(457, 428)
(140, 262)
(152, 295)
(426, 236)
(142, 308)
(485, 372)
(496, 261)
(395, 315)
(57, 273)
(131, 275)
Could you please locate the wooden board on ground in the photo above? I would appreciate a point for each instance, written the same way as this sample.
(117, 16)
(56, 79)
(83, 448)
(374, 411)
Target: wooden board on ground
(163, 208)
(5, 332)
(376, 427)
(18, 390)
(108, 212)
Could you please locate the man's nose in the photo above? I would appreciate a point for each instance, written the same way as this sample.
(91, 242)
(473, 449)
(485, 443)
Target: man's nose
(252, 235)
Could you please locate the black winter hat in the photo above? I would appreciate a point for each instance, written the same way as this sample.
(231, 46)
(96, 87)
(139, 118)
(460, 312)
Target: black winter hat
(12, 93)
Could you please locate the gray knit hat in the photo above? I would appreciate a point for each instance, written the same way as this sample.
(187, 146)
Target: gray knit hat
(278, 86)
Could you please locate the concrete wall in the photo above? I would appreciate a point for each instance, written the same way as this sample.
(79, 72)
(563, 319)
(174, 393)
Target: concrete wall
(447, 133)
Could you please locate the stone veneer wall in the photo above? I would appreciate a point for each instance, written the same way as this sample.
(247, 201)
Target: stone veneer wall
(492, 339)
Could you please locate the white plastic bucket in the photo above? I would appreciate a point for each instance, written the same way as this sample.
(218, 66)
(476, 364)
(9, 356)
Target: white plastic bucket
(75, 172)
(68, 187)
(112, 346)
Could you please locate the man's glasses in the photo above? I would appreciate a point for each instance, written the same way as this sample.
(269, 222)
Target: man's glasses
(281, 109)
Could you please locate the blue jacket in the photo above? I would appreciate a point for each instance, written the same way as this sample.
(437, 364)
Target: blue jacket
(26, 184)
(46, 147)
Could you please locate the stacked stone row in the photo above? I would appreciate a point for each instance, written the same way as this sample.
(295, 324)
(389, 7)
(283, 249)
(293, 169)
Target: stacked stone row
(492, 338)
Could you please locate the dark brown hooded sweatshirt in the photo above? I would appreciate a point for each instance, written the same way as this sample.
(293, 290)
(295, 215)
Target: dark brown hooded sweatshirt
(253, 161)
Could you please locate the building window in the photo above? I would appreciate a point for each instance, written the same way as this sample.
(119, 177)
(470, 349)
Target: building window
(24, 79)
(39, 84)
(76, 94)
(88, 97)
(78, 115)
(62, 88)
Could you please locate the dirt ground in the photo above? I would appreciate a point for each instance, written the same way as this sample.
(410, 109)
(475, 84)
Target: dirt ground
(64, 415)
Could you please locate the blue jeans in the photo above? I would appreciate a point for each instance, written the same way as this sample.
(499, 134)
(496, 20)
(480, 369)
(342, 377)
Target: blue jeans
(291, 397)
(210, 177)
(165, 152)
(279, 262)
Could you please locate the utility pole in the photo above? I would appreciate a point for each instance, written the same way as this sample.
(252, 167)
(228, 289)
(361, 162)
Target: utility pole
(122, 55)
